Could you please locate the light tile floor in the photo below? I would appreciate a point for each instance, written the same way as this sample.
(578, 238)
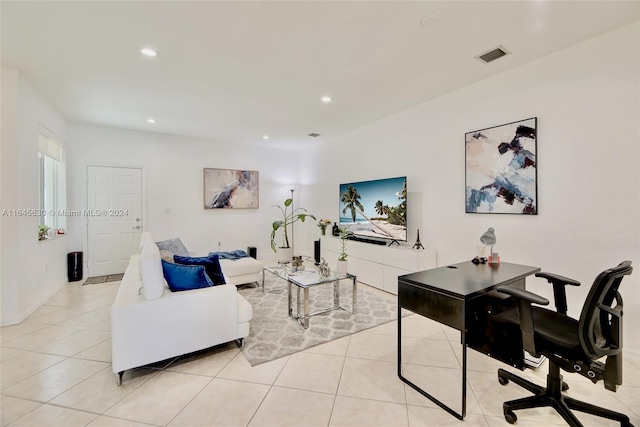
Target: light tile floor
(55, 371)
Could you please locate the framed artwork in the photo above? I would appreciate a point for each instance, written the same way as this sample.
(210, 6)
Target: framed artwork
(230, 188)
(501, 169)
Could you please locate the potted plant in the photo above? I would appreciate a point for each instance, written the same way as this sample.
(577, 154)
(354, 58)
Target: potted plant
(341, 268)
(43, 230)
(288, 218)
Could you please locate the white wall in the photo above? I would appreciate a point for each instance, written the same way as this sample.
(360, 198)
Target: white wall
(586, 99)
(9, 193)
(173, 179)
(31, 270)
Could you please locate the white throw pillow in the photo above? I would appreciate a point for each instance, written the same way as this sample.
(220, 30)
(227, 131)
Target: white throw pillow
(153, 282)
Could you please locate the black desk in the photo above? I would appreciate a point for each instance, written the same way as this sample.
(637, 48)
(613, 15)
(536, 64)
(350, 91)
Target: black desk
(455, 295)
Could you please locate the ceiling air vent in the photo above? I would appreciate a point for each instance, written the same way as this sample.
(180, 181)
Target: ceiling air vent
(493, 54)
(314, 135)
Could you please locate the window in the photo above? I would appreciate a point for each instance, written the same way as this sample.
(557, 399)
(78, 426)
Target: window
(52, 194)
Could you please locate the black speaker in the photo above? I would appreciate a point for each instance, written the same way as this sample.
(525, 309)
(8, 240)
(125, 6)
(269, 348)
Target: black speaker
(252, 251)
(316, 251)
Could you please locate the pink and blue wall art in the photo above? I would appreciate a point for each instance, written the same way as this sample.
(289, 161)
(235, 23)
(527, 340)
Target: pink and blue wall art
(230, 189)
(501, 169)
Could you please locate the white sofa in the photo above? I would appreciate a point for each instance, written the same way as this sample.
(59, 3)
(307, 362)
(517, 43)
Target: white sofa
(239, 270)
(242, 270)
(149, 323)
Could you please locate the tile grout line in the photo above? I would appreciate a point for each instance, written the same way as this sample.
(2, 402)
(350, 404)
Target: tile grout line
(268, 391)
(335, 397)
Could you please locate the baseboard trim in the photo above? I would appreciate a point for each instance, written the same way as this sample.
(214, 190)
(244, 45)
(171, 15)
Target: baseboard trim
(35, 306)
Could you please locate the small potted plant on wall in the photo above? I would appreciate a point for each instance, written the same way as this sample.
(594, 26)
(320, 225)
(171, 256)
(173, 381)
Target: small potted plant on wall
(288, 218)
(43, 232)
(341, 268)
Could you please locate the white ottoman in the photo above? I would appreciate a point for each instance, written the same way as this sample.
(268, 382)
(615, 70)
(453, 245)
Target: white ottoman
(242, 270)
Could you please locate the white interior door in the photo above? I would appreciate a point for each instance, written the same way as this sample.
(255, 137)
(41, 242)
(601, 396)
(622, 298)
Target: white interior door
(114, 212)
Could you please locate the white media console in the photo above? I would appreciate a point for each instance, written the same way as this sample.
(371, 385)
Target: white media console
(378, 265)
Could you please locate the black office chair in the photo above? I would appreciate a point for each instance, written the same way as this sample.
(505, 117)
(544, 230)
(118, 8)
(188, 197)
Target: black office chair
(569, 344)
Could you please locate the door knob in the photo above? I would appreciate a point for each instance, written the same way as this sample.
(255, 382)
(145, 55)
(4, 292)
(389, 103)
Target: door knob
(137, 227)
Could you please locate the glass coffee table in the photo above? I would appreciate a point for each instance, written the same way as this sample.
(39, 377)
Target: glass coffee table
(303, 280)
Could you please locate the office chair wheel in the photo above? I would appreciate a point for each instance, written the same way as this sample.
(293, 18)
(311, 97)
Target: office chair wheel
(565, 386)
(503, 380)
(510, 416)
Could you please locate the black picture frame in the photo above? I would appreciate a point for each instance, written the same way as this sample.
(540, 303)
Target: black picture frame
(231, 189)
(501, 173)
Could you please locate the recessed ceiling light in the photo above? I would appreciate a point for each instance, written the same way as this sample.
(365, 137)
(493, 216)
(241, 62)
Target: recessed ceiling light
(149, 52)
(265, 137)
(430, 21)
(151, 120)
(326, 99)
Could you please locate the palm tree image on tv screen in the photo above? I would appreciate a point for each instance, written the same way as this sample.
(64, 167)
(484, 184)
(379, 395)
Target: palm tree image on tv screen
(376, 208)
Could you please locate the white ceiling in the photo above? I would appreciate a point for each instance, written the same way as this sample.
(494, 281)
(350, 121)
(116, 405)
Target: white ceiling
(237, 70)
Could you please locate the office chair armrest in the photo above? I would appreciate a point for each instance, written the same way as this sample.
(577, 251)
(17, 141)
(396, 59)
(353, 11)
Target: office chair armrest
(556, 278)
(559, 292)
(525, 299)
(523, 294)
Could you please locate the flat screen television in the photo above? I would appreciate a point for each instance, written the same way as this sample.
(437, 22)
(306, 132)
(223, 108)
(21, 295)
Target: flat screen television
(375, 209)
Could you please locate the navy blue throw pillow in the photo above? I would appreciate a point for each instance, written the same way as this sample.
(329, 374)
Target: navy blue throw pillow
(210, 263)
(185, 277)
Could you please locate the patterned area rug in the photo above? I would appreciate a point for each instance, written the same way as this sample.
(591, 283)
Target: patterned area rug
(274, 334)
(103, 279)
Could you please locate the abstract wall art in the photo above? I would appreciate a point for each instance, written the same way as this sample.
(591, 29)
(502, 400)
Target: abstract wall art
(229, 188)
(501, 169)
